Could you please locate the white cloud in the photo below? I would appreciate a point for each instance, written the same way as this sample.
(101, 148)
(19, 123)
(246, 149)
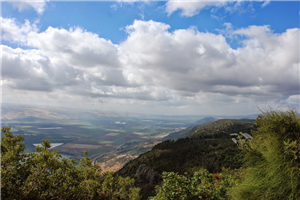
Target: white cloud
(38, 5)
(267, 2)
(188, 60)
(293, 100)
(153, 66)
(75, 61)
(77, 47)
(31, 70)
(188, 8)
(132, 1)
(191, 8)
(14, 32)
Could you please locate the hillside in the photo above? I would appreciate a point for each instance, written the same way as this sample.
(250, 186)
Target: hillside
(115, 160)
(221, 128)
(209, 146)
(191, 128)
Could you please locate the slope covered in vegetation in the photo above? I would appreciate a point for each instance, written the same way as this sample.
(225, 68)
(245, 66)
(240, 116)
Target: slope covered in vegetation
(181, 169)
(209, 146)
(191, 128)
(271, 167)
(222, 127)
(272, 159)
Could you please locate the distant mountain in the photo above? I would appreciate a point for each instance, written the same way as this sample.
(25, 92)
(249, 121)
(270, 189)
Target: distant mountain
(191, 128)
(21, 112)
(208, 145)
(202, 121)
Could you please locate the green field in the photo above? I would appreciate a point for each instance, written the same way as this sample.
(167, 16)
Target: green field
(96, 135)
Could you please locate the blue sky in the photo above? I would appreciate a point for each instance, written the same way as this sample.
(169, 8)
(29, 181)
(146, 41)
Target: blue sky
(108, 18)
(160, 57)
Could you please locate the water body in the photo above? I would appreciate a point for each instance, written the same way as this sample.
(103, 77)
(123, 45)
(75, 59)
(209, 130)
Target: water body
(66, 155)
(53, 145)
(50, 128)
(63, 155)
(120, 122)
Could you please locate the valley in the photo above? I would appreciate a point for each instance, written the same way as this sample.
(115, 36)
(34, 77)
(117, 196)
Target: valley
(111, 139)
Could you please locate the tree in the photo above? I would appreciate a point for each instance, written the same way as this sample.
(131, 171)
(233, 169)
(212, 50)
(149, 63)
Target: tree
(202, 185)
(45, 175)
(272, 158)
(13, 172)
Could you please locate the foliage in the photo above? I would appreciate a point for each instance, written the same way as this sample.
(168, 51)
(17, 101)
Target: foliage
(45, 175)
(272, 158)
(210, 151)
(221, 128)
(202, 185)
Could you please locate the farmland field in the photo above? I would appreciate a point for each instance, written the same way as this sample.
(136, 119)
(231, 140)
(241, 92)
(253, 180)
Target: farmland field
(111, 139)
(92, 131)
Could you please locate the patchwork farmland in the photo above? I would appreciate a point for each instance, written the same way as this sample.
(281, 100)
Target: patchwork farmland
(95, 134)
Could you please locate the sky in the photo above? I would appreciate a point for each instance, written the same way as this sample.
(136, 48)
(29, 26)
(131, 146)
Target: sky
(152, 57)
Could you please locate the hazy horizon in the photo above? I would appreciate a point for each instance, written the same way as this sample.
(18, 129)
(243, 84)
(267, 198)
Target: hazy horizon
(43, 108)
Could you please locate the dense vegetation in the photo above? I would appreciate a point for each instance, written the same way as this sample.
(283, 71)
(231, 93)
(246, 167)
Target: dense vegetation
(201, 185)
(45, 175)
(210, 147)
(271, 167)
(188, 155)
(221, 128)
(272, 159)
(196, 166)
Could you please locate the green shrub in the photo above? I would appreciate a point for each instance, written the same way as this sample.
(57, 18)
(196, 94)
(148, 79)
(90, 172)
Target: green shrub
(45, 175)
(202, 185)
(272, 158)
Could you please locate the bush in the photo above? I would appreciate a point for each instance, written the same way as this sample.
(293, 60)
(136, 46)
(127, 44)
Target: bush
(202, 185)
(45, 175)
(272, 158)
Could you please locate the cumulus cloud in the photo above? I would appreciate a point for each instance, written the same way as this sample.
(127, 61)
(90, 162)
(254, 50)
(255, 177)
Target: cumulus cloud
(31, 70)
(293, 100)
(38, 5)
(75, 61)
(191, 8)
(15, 32)
(183, 69)
(193, 61)
(76, 46)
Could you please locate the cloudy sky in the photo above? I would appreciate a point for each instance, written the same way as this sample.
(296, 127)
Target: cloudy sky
(155, 57)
